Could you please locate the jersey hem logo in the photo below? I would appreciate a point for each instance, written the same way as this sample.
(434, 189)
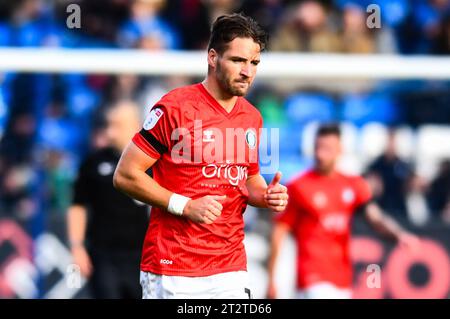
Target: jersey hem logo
(166, 262)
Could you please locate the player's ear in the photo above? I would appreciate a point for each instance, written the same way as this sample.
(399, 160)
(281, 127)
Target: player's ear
(212, 58)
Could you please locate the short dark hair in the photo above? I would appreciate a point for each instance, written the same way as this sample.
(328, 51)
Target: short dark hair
(329, 129)
(237, 25)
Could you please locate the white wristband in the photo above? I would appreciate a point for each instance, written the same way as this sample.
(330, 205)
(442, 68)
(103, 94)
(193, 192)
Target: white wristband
(177, 203)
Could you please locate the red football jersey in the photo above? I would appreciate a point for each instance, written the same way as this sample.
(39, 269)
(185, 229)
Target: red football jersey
(319, 214)
(201, 150)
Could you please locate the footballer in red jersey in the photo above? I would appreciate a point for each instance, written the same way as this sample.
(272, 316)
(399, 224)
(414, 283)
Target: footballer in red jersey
(202, 144)
(321, 204)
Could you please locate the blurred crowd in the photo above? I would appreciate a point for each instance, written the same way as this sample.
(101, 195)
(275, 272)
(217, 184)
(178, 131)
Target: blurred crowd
(49, 122)
(406, 27)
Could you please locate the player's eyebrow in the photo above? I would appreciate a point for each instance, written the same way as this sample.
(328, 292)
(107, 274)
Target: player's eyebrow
(238, 58)
(242, 59)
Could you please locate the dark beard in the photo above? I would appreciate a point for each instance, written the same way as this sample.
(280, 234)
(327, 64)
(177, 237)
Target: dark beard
(226, 84)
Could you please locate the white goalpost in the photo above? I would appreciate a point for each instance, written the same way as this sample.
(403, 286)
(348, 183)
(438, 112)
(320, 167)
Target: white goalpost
(276, 65)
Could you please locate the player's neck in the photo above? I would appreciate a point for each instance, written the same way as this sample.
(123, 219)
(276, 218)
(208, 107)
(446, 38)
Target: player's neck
(325, 172)
(225, 100)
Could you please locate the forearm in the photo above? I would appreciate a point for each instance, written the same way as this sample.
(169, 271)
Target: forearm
(138, 185)
(382, 223)
(278, 235)
(273, 256)
(76, 225)
(256, 186)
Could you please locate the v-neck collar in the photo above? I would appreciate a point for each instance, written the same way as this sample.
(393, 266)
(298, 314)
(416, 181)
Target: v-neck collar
(332, 175)
(216, 104)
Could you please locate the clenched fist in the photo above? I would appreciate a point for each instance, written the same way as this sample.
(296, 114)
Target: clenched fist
(205, 209)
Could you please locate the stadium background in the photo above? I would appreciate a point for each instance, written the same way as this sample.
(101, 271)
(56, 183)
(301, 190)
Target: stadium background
(50, 121)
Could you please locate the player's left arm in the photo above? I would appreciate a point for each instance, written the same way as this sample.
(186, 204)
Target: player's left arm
(273, 196)
(387, 226)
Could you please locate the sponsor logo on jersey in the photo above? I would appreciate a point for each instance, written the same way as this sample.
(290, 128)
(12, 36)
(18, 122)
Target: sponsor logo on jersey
(231, 172)
(335, 222)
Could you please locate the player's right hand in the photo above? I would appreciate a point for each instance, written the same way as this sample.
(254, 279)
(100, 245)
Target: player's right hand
(205, 209)
(271, 290)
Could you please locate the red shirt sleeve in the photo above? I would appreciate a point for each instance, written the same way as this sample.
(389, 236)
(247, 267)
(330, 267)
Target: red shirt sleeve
(154, 138)
(362, 191)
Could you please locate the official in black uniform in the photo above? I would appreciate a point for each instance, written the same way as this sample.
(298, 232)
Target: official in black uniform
(105, 227)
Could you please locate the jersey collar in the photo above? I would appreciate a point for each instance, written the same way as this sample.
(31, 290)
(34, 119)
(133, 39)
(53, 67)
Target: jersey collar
(216, 104)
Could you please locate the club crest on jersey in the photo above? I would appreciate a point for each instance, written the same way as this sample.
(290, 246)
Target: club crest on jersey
(250, 138)
(152, 118)
(348, 196)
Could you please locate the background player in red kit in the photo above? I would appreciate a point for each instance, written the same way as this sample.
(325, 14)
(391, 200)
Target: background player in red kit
(202, 143)
(322, 202)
